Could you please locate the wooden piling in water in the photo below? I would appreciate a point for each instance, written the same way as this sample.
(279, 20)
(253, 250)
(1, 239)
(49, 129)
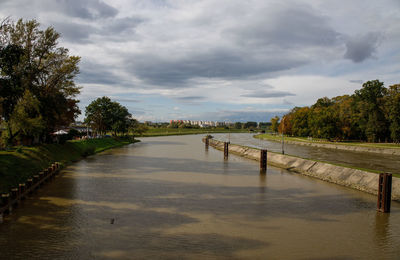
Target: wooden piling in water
(29, 184)
(384, 192)
(22, 189)
(263, 160)
(5, 205)
(8, 200)
(14, 196)
(226, 149)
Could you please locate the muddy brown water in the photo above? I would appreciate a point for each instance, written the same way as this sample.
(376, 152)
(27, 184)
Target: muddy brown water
(365, 160)
(169, 198)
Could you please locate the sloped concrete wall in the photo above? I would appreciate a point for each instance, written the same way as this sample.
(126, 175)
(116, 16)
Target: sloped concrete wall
(353, 178)
(392, 151)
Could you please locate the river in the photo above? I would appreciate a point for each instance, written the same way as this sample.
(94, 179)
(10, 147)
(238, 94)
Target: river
(365, 160)
(169, 198)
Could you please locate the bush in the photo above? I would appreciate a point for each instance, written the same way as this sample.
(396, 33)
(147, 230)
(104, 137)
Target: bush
(89, 150)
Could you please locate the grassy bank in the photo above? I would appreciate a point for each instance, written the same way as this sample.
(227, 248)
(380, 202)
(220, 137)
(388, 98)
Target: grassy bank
(189, 131)
(20, 163)
(323, 141)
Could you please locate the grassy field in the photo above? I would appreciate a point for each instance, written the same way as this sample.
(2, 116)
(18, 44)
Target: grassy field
(19, 163)
(189, 131)
(324, 141)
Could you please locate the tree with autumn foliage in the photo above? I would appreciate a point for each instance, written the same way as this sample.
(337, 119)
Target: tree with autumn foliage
(372, 114)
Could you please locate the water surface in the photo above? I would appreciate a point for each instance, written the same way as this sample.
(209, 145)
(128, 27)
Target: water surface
(169, 198)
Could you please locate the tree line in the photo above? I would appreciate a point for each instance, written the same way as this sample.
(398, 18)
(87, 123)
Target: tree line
(371, 114)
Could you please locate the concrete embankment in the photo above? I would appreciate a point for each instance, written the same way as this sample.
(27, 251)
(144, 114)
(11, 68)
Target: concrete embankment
(354, 148)
(349, 177)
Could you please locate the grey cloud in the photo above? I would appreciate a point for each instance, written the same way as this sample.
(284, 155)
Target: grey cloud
(268, 94)
(286, 26)
(127, 100)
(216, 63)
(92, 73)
(88, 9)
(359, 81)
(361, 47)
(120, 25)
(80, 33)
(84, 9)
(190, 98)
(74, 32)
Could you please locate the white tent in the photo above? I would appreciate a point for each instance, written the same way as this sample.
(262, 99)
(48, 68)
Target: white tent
(60, 132)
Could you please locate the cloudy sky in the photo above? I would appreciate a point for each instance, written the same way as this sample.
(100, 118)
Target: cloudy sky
(230, 60)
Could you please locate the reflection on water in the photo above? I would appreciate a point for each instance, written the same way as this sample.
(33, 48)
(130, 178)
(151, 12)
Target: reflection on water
(169, 198)
(373, 161)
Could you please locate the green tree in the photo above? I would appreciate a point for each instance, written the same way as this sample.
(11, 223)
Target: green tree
(105, 115)
(299, 121)
(392, 107)
(250, 125)
(238, 125)
(370, 99)
(323, 119)
(275, 124)
(25, 121)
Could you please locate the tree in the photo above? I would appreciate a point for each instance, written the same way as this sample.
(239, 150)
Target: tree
(285, 127)
(323, 119)
(25, 121)
(238, 125)
(250, 124)
(105, 115)
(370, 106)
(275, 124)
(31, 60)
(299, 121)
(392, 107)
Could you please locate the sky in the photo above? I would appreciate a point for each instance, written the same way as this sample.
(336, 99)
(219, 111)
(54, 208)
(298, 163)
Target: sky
(221, 60)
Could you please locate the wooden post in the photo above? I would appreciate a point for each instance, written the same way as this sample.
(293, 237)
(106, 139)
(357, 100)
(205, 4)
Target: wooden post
(263, 160)
(226, 149)
(207, 142)
(384, 192)
(29, 184)
(5, 201)
(21, 187)
(36, 180)
(14, 196)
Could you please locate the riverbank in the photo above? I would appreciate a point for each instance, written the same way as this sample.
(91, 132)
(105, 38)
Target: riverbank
(382, 148)
(20, 163)
(363, 180)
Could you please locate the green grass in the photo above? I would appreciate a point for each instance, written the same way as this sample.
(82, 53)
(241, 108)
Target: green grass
(324, 141)
(189, 131)
(20, 163)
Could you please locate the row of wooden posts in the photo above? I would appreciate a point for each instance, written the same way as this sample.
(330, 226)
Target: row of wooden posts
(384, 188)
(10, 200)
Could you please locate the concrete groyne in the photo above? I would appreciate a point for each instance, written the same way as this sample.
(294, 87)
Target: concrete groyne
(354, 178)
(352, 148)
